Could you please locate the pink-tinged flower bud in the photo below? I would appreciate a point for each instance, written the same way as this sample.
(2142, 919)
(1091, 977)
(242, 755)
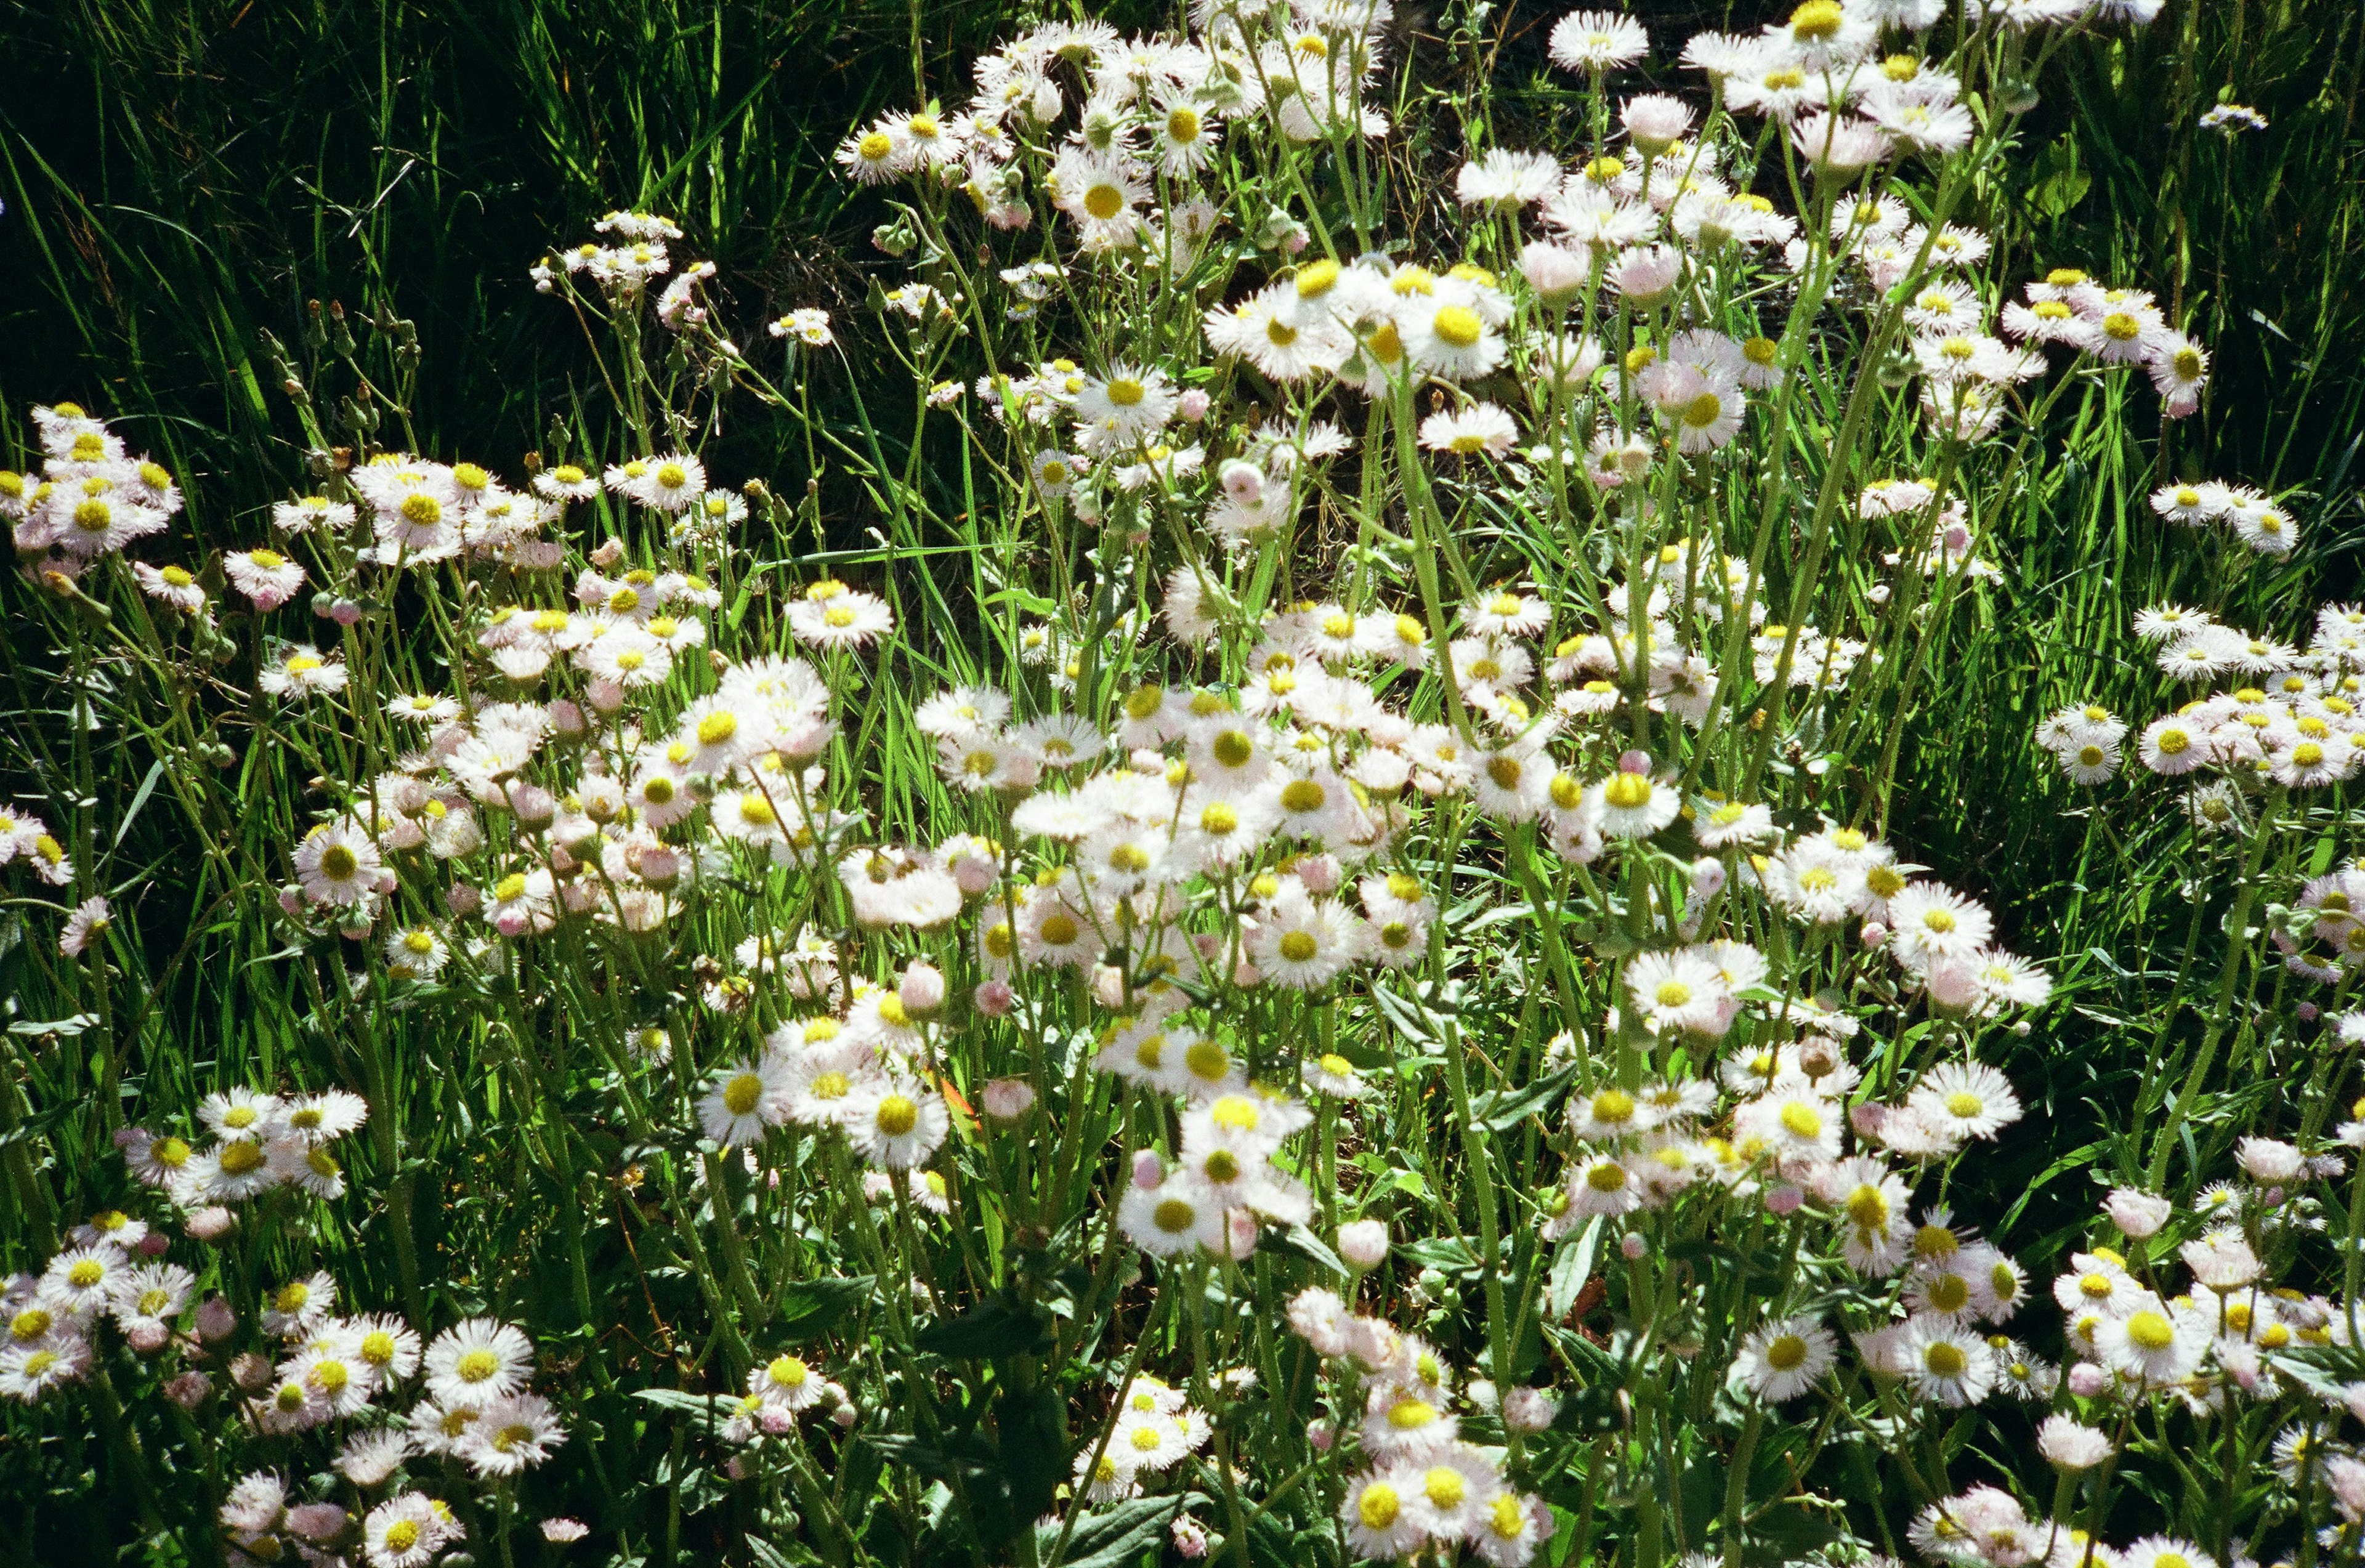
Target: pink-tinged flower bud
(2087, 1380)
(605, 695)
(189, 1390)
(291, 903)
(560, 1532)
(609, 552)
(1530, 1410)
(2309, 1012)
(1952, 986)
(324, 604)
(1633, 762)
(147, 1337)
(316, 1521)
(973, 874)
(921, 989)
(2137, 1214)
(345, 612)
(211, 1223)
(1364, 1243)
(993, 998)
(1868, 1118)
(659, 865)
(463, 899)
(735, 1468)
(565, 718)
(1007, 1098)
(2068, 1444)
(250, 1373)
(1319, 1435)
(1783, 1199)
(1148, 1169)
(1294, 241)
(215, 1319)
(1243, 482)
(1320, 873)
(1554, 272)
(775, 1421)
(534, 805)
(1645, 271)
(1190, 1538)
(2269, 1160)
(1631, 1246)
(154, 1244)
(1192, 405)
(1873, 935)
(1708, 877)
(845, 1415)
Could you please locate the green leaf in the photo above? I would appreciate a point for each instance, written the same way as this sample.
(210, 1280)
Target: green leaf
(1299, 1242)
(1113, 1536)
(1505, 1108)
(1031, 1435)
(994, 1329)
(810, 1308)
(1572, 1264)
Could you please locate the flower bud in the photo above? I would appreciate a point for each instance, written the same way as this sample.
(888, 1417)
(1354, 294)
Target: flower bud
(1319, 1435)
(1364, 1243)
(1529, 1409)
(993, 998)
(610, 552)
(1873, 935)
(216, 1321)
(1243, 482)
(1148, 1169)
(1192, 405)
(147, 1337)
(250, 1373)
(1007, 1098)
(2087, 1380)
(1952, 986)
(316, 1521)
(1631, 1246)
(1783, 1199)
(211, 1223)
(1633, 762)
(1556, 273)
(1708, 877)
(189, 1390)
(2137, 1214)
(921, 989)
(154, 1244)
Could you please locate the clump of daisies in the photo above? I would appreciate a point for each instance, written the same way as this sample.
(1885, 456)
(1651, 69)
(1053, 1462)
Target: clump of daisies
(1375, 818)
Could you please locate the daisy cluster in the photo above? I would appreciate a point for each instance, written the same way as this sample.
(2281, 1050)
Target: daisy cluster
(2260, 523)
(1414, 1482)
(1153, 1428)
(2215, 1344)
(91, 498)
(471, 1407)
(1648, 234)
(2291, 723)
(305, 1365)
